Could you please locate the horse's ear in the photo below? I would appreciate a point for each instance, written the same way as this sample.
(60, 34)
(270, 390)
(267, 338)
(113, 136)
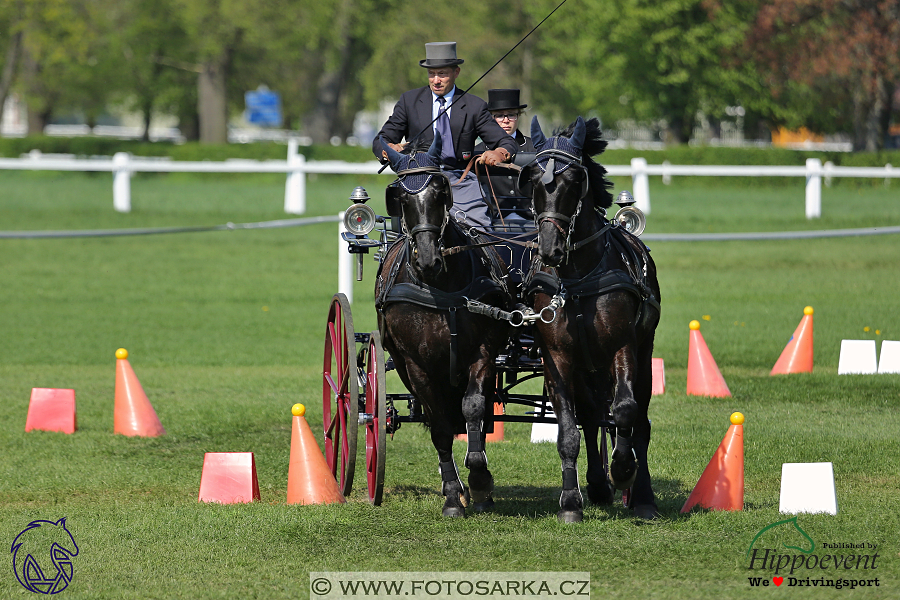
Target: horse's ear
(393, 155)
(579, 133)
(434, 152)
(537, 136)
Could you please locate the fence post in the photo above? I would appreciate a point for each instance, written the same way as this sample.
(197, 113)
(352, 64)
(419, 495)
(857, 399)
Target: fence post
(295, 184)
(121, 182)
(666, 172)
(813, 188)
(345, 263)
(641, 184)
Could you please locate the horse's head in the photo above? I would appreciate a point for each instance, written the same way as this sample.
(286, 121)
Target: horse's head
(423, 199)
(561, 180)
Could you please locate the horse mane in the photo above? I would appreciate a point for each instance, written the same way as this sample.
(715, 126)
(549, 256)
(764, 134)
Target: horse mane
(594, 144)
(418, 144)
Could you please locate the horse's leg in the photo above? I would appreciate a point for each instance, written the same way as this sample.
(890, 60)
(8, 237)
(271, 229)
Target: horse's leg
(642, 499)
(594, 399)
(429, 396)
(568, 442)
(623, 466)
(479, 398)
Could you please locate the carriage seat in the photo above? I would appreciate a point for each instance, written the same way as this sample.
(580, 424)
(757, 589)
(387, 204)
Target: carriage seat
(511, 203)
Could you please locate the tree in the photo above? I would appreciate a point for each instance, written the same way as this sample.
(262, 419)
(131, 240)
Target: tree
(820, 50)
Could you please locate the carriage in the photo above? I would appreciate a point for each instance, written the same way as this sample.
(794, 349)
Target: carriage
(356, 363)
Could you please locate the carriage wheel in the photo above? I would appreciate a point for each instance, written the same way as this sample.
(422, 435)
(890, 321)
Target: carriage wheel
(376, 436)
(340, 393)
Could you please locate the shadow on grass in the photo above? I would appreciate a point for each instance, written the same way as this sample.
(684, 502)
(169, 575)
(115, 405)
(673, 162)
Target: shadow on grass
(540, 502)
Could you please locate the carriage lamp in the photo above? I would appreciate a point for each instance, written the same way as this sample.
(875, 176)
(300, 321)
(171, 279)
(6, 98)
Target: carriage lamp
(359, 219)
(628, 216)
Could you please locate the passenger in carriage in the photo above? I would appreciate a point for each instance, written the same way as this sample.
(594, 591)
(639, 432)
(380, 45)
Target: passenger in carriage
(463, 118)
(506, 108)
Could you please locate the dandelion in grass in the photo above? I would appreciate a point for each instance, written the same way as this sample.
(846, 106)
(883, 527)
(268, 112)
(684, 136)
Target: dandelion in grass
(866, 329)
(265, 309)
(706, 317)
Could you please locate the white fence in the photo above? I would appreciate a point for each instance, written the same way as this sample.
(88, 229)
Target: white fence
(296, 167)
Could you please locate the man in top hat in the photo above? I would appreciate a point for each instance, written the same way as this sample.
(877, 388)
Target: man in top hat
(460, 118)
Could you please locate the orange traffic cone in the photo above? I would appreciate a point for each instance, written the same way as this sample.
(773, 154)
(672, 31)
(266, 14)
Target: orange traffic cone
(496, 436)
(51, 410)
(229, 478)
(309, 479)
(134, 415)
(797, 356)
(703, 375)
(721, 487)
(658, 373)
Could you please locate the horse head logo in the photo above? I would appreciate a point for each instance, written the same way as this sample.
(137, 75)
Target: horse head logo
(792, 521)
(30, 550)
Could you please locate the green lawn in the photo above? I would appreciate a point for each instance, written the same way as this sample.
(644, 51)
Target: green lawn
(225, 332)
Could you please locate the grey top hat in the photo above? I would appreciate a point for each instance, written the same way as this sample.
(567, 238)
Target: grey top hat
(440, 54)
(504, 100)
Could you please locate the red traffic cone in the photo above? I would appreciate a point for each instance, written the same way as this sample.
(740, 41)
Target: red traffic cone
(721, 487)
(310, 481)
(797, 356)
(229, 478)
(51, 410)
(703, 375)
(134, 415)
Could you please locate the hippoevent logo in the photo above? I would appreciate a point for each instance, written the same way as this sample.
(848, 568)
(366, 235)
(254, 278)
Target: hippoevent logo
(42, 556)
(797, 564)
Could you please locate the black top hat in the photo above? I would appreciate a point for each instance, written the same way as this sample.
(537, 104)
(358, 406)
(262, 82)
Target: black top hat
(440, 54)
(504, 100)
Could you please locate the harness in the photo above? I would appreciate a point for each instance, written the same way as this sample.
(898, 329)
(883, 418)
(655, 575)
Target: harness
(602, 279)
(414, 180)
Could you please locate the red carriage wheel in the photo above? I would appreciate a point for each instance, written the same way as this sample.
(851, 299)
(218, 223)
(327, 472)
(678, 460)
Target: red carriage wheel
(376, 436)
(340, 393)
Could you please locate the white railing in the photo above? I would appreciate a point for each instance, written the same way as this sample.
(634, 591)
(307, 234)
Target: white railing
(814, 172)
(296, 167)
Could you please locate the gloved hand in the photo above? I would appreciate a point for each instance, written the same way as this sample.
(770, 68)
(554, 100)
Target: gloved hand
(494, 157)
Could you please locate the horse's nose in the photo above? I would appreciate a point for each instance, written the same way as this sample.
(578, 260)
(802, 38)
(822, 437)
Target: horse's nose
(432, 268)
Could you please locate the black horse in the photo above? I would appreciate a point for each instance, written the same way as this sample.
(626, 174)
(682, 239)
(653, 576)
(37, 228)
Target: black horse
(597, 352)
(443, 352)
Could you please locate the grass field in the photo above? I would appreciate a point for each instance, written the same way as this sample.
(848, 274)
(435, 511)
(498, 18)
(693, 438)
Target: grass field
(225, 332)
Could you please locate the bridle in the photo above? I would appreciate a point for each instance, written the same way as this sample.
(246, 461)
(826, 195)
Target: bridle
(429, 172)
(551, 170)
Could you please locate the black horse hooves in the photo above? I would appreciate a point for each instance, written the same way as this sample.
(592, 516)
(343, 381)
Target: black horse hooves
(623, 471)
(482, 507)
(454, 511)
(648, 512)
(570, 516)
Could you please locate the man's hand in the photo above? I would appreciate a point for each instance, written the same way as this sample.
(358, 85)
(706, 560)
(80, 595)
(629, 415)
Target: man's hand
(397, 147)
(494, 157)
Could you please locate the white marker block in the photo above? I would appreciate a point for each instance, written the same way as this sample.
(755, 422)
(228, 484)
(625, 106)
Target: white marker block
(857, 357)
(889, 361)
(544, 432)
(807, 488)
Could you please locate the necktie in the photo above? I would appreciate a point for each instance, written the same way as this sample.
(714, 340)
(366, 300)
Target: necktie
(443, 126)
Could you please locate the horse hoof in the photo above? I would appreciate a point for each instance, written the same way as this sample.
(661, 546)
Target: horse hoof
(482, 507)
(648, 512)
(570, 516)
(454, 511)
(622, 472)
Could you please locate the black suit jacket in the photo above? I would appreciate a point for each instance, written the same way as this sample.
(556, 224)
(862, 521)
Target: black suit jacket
(469, 119)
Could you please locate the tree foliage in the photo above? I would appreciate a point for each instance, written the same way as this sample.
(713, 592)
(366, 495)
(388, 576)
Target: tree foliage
(828, 65)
